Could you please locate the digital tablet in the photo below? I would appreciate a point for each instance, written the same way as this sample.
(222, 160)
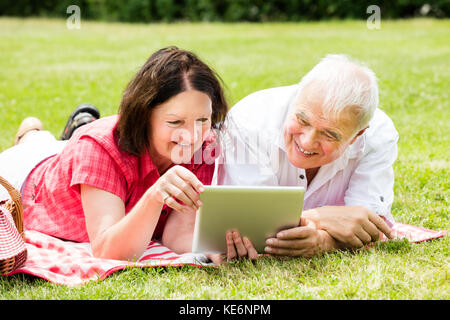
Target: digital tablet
(256, 212)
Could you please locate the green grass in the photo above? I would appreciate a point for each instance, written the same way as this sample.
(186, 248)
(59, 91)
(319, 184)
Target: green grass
(46, 70)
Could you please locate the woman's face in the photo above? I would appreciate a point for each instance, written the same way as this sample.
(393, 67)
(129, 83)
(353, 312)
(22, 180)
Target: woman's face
(179, 127)
(313, 139)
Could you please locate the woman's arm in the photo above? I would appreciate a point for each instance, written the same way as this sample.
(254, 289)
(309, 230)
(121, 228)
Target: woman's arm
(114, 235)
(179, 231)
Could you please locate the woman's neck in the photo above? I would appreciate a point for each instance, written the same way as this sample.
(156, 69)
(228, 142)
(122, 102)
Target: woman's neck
(161, 163)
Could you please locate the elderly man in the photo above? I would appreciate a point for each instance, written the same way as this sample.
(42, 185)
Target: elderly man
(327, 135)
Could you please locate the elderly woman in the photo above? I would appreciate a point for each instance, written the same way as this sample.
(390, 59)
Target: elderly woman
(115, 182)
(327, 135)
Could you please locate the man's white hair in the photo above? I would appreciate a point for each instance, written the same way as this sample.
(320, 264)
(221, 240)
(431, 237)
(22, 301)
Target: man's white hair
(341, 83)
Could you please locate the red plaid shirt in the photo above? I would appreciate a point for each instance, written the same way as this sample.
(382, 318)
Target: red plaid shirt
(51, 198)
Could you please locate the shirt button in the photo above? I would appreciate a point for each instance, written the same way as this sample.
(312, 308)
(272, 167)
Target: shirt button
(301, 176)
(164, 212)
(381, 198)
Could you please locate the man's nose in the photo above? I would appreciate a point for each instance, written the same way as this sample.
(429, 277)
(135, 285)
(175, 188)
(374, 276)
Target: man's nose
(308, 138)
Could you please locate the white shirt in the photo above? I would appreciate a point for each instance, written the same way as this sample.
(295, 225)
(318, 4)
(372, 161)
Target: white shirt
(253, 153)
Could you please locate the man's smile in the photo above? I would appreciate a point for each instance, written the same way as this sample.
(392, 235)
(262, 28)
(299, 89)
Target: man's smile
(308, 153)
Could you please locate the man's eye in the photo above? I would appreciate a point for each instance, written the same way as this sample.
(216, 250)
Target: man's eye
(303, 122)
(329, 137)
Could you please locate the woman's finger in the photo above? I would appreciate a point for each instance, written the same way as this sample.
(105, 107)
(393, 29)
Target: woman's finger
(251, 251)
(177, 193)
(186, 188)
(231, 250)
(187, 175)
(239, 244)
(172, 203)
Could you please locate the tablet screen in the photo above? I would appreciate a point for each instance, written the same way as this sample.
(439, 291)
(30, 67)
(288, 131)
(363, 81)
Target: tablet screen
(256, 212)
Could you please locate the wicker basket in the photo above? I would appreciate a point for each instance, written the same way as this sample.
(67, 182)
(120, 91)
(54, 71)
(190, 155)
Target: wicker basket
(14, 206)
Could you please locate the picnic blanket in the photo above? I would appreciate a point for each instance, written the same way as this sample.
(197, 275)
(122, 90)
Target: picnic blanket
(70, 263)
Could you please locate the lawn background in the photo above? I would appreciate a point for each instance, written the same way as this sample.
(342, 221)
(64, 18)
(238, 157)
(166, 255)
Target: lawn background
(47, 69)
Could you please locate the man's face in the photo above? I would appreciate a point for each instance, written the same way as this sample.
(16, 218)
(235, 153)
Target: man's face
(314, 138)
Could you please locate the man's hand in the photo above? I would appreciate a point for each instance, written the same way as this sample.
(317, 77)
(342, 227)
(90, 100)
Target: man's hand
(305, 241)
(353, 227)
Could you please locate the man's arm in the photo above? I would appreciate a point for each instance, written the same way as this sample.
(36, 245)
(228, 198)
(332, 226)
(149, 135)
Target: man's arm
(369, 195)
(353, 227)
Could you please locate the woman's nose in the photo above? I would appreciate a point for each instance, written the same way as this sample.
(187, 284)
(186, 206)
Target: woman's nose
(189, 135)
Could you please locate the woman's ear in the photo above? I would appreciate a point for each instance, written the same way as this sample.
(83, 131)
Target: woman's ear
(358, 134)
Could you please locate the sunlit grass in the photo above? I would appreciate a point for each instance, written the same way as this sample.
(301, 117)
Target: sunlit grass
(46, 70)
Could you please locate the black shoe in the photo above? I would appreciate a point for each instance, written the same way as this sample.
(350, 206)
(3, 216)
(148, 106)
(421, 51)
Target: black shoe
(83, 114)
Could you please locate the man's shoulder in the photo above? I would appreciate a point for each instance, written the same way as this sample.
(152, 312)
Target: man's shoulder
(266, 99)
(381, 130)
(261, 108)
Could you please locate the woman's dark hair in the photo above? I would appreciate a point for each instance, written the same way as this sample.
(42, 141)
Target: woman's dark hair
(168, 72)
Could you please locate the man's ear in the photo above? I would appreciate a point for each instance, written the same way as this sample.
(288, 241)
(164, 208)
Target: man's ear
(358, 134)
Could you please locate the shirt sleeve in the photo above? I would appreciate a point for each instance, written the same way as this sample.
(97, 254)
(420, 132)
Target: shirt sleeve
(372, 182)
(92, 165)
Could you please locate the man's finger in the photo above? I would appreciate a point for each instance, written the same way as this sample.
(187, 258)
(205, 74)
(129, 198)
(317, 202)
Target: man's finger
(380, 224)
(296, 244)
(355, 242)
(363, 236)
(295, 233)
(371, 229)
(283, 251)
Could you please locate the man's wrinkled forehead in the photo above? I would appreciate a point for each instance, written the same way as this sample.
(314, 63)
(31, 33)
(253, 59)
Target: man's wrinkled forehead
(309, 104)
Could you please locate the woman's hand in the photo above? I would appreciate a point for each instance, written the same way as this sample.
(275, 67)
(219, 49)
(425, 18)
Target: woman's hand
(176, 185)
(237, 247)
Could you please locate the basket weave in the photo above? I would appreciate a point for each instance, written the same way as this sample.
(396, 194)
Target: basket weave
(14, 206)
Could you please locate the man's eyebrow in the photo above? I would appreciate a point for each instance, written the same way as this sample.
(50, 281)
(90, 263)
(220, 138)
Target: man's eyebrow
(334, 134)
(301, 114)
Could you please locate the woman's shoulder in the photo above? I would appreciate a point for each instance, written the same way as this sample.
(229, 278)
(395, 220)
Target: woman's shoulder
(97, 140)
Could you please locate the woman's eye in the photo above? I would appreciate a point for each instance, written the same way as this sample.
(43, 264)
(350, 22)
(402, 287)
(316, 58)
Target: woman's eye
(203, 120)
(174, 123)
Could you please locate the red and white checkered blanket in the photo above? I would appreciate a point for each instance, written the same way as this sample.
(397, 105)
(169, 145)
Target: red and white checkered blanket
(70, 263)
